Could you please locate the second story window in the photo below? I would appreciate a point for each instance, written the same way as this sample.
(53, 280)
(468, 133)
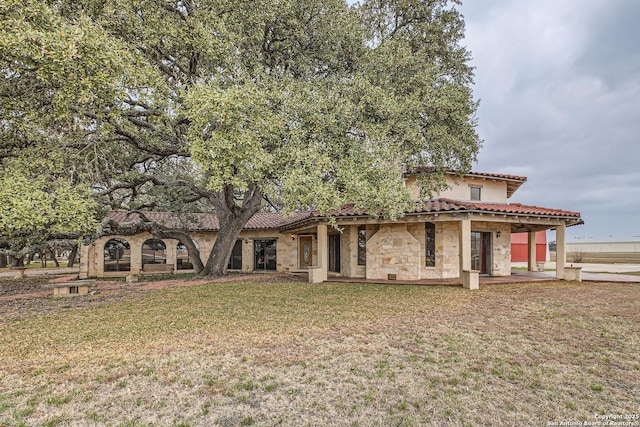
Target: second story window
(475, 193)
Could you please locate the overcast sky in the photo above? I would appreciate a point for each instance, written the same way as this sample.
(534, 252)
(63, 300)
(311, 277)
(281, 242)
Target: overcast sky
(559, 89)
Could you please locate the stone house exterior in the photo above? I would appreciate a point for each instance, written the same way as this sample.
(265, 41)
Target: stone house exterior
(462, 233)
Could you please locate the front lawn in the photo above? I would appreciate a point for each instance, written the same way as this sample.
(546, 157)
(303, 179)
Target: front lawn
(260, 353)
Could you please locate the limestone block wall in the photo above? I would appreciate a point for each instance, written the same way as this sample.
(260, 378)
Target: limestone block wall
(348, 250)
(393, 250)
(447, 251)
(501, 246)
(286, 249)
(92, 256)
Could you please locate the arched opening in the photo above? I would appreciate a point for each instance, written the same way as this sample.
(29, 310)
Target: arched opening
(154, 251)
(117, 255)
(183, 261)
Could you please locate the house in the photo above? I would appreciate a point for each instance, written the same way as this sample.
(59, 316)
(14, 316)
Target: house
(463, 233)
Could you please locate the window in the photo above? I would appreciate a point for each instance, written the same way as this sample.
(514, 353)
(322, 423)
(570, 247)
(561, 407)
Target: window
(362, 245)
(430, 244)
(117, 255)
(264, 254)
(475, 193)
(235, 262)
(183, 261)
(154, 251)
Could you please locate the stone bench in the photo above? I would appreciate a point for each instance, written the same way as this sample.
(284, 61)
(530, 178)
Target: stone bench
(150, 269)
(78, 287)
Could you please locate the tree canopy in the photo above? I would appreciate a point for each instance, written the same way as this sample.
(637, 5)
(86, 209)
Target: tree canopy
(227, 105)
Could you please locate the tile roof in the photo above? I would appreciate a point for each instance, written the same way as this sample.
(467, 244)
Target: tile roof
(499, 175)
(207, 221)
(448, 205)
(277, 220)
(505, 208)
(472, 173)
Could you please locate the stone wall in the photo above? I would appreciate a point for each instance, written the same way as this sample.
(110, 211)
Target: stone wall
(93, 263)
(501, 253)
(396, 248)
(393, 250)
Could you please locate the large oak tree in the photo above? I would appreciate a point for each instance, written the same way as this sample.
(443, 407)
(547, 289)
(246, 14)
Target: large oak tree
(227, 105)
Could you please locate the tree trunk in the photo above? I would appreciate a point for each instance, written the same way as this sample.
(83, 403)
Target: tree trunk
(72, 256)
(232, 218)
(185, 239)
(221, 253)
(16, 262)
(3, 261)
(53, 255)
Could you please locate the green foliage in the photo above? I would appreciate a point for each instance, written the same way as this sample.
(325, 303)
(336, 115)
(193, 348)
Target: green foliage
(34, 209)
(308, 104)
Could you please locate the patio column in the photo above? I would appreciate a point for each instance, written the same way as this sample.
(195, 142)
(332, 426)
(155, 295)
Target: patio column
(172, 253)
(561, 254)
(465, 245)
(469, 278)
(531, 245)
(135, 244)
(319, 273)
(83, 270)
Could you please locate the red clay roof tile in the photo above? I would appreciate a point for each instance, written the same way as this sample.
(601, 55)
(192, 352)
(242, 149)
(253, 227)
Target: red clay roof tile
(277, 220)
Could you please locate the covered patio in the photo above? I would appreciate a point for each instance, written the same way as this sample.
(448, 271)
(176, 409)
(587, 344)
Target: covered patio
(517, 276)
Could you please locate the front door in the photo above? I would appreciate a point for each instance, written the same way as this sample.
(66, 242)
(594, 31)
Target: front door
(481, 252)
(334, 253)
(305, 249)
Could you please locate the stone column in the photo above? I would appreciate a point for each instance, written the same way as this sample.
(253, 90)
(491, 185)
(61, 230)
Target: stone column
(531, 245)
(464, 229)
(470, 278)
(247, 255)
(172, 253)
(319, 273)
(561, 253)
(83, 271)
(135, 244)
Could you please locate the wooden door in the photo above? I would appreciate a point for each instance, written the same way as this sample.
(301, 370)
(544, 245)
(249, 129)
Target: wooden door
(334, 253)
(305, 251)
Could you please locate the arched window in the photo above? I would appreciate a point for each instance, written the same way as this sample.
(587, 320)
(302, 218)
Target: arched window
(154, 251)
(183, 262)
(117, 255)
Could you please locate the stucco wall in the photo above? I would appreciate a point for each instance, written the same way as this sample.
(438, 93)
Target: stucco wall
(491, 191)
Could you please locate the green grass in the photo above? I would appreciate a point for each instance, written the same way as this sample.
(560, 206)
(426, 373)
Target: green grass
(258, 353)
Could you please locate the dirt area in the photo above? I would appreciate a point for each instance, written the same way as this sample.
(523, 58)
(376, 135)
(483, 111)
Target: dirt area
(34, 295)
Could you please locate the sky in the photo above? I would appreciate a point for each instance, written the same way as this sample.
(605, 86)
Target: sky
(559, 89)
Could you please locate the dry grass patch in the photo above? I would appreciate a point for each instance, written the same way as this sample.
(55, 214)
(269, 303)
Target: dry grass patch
(334, 354)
